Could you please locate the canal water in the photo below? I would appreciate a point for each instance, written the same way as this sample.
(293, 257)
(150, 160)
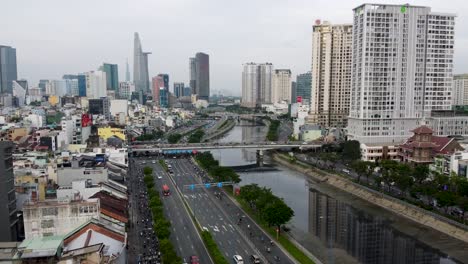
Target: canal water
(337, 227)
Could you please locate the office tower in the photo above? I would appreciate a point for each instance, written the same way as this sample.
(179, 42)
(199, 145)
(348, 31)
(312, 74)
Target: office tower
(20, 90)
(163, 97)
(96, 84)
(304, 87)
(127, 73)
(81, 82)
(281, 86)
(257, 81)
(42, 85)
(293, 92)
(203, 75)
(100, 106)
(402, 69)
(193, 75)
(8, 218)
(125, 90)
(187, 91)
(460, 89)
(112, 76)
(56, 87)
(8, 69)
(331, 74)
(178, 89)
(140, 67)
(157, 83)
(165, 78)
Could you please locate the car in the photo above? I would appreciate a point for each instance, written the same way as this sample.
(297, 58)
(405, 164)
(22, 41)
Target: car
(143, 162)
(238, 259)
(159, 177)
(194, 259)
(154, 162)
(255, 259)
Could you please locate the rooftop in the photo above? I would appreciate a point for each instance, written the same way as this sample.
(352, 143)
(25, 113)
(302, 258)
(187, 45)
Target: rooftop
(40, 247)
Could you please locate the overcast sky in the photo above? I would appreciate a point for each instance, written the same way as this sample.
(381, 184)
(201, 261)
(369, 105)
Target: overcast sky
(55, 37)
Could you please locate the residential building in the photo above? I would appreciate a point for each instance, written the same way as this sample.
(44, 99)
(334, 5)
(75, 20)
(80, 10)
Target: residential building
(118, 106)
(96, 83)
(125, 90)
(156, 85)
(57, 217)
(331, 74)
(257, 82)
(376, 152)
(402, 70)
(303, 87)
(100, 106)
(460, 89)
(8, 69)
(178, 89)
(8, 217)
(112, 76)
(140, 67)
(20, 90)
(187, 91)
(281, 86)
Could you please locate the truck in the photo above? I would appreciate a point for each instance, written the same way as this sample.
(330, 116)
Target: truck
(166, 190)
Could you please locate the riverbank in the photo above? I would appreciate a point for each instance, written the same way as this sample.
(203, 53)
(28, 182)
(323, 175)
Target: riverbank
(391, 204)
(219, 131)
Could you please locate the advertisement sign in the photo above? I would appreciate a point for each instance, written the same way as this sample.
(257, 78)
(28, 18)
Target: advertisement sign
(86, 120)
(299, 99)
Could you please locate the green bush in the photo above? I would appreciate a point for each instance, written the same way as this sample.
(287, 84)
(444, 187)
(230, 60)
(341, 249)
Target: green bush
(147, 170)
(196, 136)
(174, 138)
(215, 253)
(219, 173)
(272, 134)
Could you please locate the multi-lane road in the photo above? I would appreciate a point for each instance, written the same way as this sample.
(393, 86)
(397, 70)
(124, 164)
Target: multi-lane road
(219, 215)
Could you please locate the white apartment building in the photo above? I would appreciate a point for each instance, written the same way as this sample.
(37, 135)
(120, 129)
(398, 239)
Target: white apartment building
(57, 217)
(401, 70)
(281, 86)
(56, 87)
(96, 84)
(331, 74)
(257, 81)
(460, 89)
(125, 90)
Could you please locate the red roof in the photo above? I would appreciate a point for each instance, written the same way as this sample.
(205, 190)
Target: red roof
(422, 130)
(112, 206)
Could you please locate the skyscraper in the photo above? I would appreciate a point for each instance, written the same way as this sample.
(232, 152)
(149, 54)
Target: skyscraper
(331, 74)
(156, 85)
(140, 67)
(20, 90)
(8, 218)
(281, 86)
(200, 75)
(81, 83)
(127, 72)
(112, 76)
(8, 69)
(257, 81)
(178, 89)
(304, 87)
(193, 75)
(96, 84)
(402, 69)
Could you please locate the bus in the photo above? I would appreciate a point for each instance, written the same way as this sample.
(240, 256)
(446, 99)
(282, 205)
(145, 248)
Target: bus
(166, 190)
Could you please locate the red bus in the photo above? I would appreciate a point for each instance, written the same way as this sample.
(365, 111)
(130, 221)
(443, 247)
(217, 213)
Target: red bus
(166, 190)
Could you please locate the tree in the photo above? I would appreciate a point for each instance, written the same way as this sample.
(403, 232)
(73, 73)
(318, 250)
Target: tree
(147, 170)
(446, 199)
(174, 138)
(360, 167)
(250, 193)
(388, 170)
(462, 202)
(420, 173)
(351, 150)
(277, 214)
(169, 256)
(370, 167)
(402, 177)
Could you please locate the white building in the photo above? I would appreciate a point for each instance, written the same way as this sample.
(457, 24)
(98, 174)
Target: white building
(57, 217)
(20, 92)
(460, 89)
(96, 84)
(331, 74)
(35, 94)
(402, 69)
(118, 106)
(281, 86)
(57, 87)
(36, 120)
(257, 82)
(125, 90)
(72, 87)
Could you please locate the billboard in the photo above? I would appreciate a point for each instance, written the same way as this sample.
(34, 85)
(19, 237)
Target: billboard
(299, 99)
(86, 120)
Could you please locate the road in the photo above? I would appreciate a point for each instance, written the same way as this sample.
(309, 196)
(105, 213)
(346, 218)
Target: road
(142, 242)
(184, 235)
(219, 215)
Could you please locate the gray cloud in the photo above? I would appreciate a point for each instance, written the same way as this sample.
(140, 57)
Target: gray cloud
(54, 37)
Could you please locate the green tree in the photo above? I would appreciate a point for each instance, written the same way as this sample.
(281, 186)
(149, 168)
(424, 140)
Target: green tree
(250, 193)
(351, 150)
(388, 171)
(360, 167)
(420, 173)
(370, 167)
(168, 253)
(147, 170)
(462, 202)
(446, 199)
(402, 177)
(174, 138)
(277, 214)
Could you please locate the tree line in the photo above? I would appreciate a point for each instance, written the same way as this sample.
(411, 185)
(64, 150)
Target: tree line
(218, 173)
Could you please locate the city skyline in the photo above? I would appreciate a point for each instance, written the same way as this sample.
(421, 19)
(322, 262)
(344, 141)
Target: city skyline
(223, 37)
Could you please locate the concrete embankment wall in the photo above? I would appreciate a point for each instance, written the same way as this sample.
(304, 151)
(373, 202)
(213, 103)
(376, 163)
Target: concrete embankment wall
(419, 215)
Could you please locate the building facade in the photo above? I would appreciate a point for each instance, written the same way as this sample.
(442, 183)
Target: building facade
(8, 217)
(112, 76)
(8, 69)
(140, 66)
(281, 86)
(257, 84)
(304, 87)
(402, 70)
(331, 74)
(125, 90)
(178, 89)
(96, 83)
(193, 75)
(460, 89)
(200, 75)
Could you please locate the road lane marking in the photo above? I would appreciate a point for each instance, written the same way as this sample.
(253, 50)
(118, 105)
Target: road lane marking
(225, 228)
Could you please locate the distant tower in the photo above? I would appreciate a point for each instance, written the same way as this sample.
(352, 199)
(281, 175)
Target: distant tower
(140, 67)
(127, 73)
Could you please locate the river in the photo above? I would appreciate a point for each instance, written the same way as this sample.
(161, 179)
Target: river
(337, 227)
